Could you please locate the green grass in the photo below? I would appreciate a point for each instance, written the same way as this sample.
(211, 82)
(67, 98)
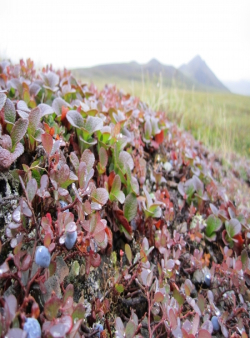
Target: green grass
(220, 120)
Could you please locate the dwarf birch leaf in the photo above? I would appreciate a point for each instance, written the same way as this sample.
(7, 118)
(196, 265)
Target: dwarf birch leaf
(134, 185)
(103, 157)
(172, 318)
(31, 189)
(128, 253)
(204, 334)
(9, 112)
(213, 225)
(130, 207)
(75, 119)
(119, 288)
(6, 142)
(47, 142)
(3, 98)
(130, 329)
(119, 324)
(19, 130)
(100, 195)
(79, 312)
(233, 227)
(57, 105)
(89, 158)
(22, 105)
(180, 299)
(149, 279)
(125, 159)
(51, 308)
(74, 160)
(147, 129)
(116, 192)
(45, 109)
(63, 174)
(7, 158)
(93, 124)
(34, 120)
(158, 297)
(82, 173)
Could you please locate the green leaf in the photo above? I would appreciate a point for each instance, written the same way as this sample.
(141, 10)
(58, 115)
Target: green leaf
(75, 119)
(130, 329)
(128, 253)
(74, 160)
(148, 129)
(180, 299)
(9, 112)
(244, 259)
(233, 227)
(130, 207)
(34, 120)
(103, 157)
(31, 189)
(18, 131)
(52, 307)
(79, 312)
(3, 98)
(213, 225)
(69, 292)
(89, 158)
(116, 190)
(125, 159)
(100, 195)
(93, 124)
(119, 288)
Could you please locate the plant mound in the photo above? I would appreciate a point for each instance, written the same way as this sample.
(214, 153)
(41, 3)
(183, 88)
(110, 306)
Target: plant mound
(114, 223)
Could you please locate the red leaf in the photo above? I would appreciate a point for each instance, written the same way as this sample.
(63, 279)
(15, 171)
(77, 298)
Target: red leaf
(47, 142)
(121, 218)
(95, 259)
(110, 180)
(159, 138)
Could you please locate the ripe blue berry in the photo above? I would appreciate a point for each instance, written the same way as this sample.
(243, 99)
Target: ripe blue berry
(63, 204)
(32, 327)
(207, 280)
(42, 257)
(99, 327)
(215, 323)
(70, 239)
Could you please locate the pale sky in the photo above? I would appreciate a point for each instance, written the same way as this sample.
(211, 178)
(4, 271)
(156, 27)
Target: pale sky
(79, 33)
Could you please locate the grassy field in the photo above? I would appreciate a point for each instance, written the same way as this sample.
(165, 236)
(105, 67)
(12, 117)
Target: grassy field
(220, 120)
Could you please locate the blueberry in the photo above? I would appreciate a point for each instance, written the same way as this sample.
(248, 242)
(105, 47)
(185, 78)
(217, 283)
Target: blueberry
(215, 323)
(99, 327)
(63, 204)
(32, 327)
(70, 239)
(207, 280)
(42, 257)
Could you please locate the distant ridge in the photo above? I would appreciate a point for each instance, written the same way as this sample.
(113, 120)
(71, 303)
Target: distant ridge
(195, 75)
(241, 87)
(198, 70)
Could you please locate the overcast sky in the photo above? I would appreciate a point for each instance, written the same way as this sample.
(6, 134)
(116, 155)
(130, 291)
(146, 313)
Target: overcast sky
(79, 33)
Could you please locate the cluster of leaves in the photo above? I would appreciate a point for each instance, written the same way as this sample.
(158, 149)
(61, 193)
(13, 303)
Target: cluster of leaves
(94, 166)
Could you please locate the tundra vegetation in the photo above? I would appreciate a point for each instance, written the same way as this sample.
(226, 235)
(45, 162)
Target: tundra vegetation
(114, 223)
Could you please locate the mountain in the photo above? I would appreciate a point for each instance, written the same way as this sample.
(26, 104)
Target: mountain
(198, 70)
(241, 87)
(195, 75)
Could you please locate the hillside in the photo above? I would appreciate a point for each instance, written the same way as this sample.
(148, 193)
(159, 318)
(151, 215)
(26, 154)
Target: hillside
(198, 70)
(184, 78)
(114, 222)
